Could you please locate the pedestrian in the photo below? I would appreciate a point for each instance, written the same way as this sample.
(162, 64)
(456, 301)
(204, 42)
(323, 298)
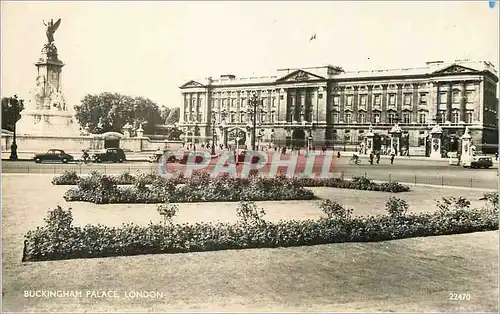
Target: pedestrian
(378, 157)
(202, 146)
(392, 158)
(371, 158)
(324, 149)
(338, 155)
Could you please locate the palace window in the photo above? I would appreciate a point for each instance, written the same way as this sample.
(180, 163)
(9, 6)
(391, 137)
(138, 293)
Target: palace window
(214, 102)
(392, 99)
(407, 99)
(406, 117)
(186, 116)
(335, 118)
(233, 102)
(362, 117)
(193, 102)
(456, 97)
(232, 118)
(243, 117)
(391, 117)
(443, 98)
(336, 100)
(200, 117)
(455, 116)
(376, 117)
(362, 100)
(468, 117)
(224, 104)
(348, 118)
(423, 99)
(470, 96)
(349, 101)
(273, 102)
(243, 102)
(378, 98)
(273, 116)
(441, 117)
(422, 117)
(262, 117)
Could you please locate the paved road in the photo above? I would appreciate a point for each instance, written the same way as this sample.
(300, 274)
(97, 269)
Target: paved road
(403, 170)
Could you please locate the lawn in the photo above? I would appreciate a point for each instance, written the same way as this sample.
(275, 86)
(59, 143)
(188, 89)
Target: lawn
(405, 275)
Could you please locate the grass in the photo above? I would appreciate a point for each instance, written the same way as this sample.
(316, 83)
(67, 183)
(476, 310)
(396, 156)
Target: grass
(405, 275)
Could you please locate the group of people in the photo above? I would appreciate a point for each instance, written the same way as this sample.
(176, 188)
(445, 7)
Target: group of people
(373, 156)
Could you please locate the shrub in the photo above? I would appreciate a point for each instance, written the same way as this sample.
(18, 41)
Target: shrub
(125, 178)
(68, 177)
(249, 213)
(396, 207)
(452, 204)
(491, 200)
(168, 211)
(334, 210)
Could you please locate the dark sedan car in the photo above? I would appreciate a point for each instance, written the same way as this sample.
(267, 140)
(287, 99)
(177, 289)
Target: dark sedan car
(110, 154)
(53, 155)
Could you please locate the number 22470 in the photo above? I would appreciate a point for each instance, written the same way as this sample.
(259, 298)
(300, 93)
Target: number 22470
(459, 296)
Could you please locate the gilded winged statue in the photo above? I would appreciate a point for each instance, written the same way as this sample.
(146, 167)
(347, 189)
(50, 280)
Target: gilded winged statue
(51, 29)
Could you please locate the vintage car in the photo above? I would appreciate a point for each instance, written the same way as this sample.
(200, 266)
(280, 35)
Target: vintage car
(110, 154)
(479, 160)
(53, 155)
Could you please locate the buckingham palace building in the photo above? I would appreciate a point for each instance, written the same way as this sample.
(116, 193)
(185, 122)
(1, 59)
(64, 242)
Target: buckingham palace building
(329, 106)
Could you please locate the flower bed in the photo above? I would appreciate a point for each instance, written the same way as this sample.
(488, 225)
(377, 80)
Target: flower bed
(199, 188)
(59, 239)
(357, 183)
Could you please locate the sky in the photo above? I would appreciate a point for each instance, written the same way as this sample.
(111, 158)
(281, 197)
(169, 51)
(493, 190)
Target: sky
(149, 49)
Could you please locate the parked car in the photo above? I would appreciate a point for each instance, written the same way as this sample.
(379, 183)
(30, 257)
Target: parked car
(54, 155)
(110, 154)
(479, 160)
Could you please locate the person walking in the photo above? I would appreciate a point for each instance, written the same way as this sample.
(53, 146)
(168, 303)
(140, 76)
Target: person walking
(338, 155)
(371, 158)
(392, 158)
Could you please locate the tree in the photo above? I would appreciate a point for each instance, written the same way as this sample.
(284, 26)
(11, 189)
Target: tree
(111, 111)
(11, 112)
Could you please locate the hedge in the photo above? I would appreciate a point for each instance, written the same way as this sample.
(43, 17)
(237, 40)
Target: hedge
(59, 239)
(357, 183)
(101, 189)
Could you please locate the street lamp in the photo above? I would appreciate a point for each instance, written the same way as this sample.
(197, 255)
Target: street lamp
(213, 137)
(16, 107)
(254, 102)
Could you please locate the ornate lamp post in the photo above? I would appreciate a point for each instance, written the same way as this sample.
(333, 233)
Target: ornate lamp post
(17, 106)
(254, 101)
(213, 137)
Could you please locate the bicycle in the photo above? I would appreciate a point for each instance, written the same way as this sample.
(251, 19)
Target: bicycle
(84, 161)
(354, 160)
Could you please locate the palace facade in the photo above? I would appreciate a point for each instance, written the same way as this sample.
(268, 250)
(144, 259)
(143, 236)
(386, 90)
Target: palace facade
(329, 106)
